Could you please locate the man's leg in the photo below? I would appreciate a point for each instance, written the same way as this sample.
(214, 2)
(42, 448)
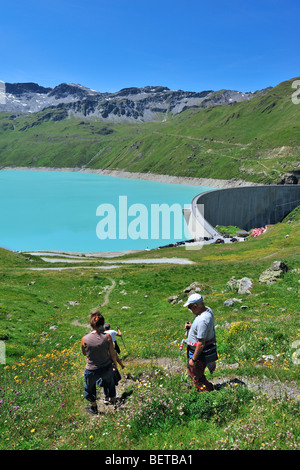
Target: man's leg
(196, 373)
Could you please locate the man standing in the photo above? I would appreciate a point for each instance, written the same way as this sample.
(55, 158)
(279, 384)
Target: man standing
(201, 335)
(113, 334)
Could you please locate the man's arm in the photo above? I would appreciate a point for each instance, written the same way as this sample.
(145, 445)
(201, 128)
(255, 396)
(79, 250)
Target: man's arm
(119, 332)
(197, 352)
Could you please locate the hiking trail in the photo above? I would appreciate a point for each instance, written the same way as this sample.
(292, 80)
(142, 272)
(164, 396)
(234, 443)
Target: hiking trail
(107, 289)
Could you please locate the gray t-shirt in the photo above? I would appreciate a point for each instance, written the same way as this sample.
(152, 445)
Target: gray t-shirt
(203, 327)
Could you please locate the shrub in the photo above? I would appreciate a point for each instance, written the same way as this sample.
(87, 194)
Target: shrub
(163, 410)
(221, 404)
(155, 411)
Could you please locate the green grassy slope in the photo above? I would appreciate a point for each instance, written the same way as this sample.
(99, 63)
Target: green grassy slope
(41, 396)
(254, 141)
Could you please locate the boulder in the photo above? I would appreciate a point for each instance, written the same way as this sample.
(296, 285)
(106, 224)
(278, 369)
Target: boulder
(273, 273)
(244, 285)
(289, 179)
(173, 299)
(75, 302)
(231, 302)
(232, 284)
(241, 286)
(192, 288)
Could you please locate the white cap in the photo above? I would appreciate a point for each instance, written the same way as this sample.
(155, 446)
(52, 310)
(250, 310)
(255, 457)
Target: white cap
(193, 299)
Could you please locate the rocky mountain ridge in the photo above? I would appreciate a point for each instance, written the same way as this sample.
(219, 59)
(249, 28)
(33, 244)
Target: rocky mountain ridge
(150, 103)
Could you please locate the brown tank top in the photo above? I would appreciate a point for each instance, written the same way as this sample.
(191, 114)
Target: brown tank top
(97, 350)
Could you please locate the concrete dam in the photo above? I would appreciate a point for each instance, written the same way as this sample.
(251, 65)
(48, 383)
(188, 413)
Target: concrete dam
(245, 207)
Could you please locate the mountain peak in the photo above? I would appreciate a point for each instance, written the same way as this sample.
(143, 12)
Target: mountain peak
(21, 88)
(149, 103)
(65, 90)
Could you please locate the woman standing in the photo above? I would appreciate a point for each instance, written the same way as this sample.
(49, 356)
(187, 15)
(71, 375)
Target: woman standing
(99, 350)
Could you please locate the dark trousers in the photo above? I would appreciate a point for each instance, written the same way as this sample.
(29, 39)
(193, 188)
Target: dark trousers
(101, 378)
(196, 373)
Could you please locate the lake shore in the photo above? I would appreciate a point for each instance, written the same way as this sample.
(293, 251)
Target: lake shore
(209, 182)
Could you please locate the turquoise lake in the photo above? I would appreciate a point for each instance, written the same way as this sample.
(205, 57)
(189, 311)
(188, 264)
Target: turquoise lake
(52, 210)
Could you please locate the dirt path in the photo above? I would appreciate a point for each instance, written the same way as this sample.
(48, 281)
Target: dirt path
(107, 290)
(268, 387)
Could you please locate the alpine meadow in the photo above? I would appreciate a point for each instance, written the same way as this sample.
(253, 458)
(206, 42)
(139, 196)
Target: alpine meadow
(45, 307)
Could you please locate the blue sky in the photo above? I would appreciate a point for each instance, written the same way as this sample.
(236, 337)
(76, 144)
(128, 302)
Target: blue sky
(192, 45)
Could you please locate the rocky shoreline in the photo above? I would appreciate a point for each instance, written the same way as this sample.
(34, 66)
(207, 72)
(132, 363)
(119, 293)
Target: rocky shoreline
(209, 182)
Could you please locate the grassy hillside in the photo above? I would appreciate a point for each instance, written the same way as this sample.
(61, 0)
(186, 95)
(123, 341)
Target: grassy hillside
(41, 396)
(254, 141)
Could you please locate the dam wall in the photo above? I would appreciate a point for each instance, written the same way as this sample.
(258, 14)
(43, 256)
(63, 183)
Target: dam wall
(245, 207)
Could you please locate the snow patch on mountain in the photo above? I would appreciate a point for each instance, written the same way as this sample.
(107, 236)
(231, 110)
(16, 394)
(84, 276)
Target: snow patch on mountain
(150, 103)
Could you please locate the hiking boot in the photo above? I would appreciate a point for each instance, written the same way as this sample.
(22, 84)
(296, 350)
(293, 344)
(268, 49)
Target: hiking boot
(113, 401)
(125, 395)
(106, 401)
(93, 410)
(217, 386)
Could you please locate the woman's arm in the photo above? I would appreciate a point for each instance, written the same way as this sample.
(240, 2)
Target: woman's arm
(83, 350)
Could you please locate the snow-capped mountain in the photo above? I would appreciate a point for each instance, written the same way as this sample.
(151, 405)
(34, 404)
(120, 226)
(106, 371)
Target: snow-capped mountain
(150, 103)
